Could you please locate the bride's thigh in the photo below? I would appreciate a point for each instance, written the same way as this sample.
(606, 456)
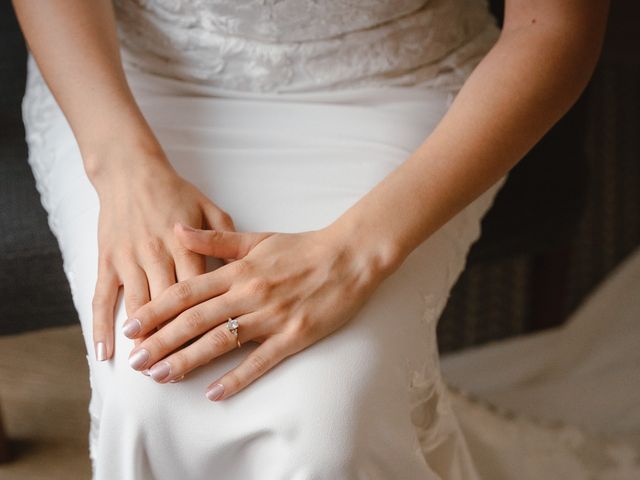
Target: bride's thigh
(340, 406)
(343, 403)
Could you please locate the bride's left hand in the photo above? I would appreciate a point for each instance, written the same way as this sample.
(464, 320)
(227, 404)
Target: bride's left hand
(287, 291)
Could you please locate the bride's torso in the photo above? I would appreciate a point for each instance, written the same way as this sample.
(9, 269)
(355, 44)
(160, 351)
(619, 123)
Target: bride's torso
(306, 45)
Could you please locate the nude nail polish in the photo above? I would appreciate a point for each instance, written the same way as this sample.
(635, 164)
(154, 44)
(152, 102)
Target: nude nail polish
(146, 372)
(101, 351)
(215, 392)
(138, 359)
(160, 371)
(131, 327)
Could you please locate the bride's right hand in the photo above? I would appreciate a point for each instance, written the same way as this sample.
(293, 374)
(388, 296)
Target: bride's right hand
(141, 198)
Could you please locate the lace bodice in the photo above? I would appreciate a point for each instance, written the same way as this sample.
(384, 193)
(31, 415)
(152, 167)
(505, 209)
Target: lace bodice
(306, 45)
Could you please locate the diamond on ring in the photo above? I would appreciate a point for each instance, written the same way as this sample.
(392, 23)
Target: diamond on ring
(232, 325)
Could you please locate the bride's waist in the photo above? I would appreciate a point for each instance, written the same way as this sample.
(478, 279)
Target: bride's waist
(281, 71)
(424, 49)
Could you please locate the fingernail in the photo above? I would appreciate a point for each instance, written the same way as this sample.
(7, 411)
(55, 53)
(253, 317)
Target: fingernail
(176, 380)
(160, 371)
(138, 359)
(215, 392)
(101, 351)
(146, 372)
(131, 327)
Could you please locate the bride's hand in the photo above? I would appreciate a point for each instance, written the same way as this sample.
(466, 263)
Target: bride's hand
(141, 197)
(287, 291)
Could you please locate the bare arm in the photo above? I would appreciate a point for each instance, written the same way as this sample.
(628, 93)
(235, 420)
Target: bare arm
(75, 45)
(141, 196)
(537, 69)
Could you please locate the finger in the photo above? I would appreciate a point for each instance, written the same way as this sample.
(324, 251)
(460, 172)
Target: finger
(159, 278)
(136, 288)
(137, 342)
(158, 265)
(217, 243)
(257, 363)
(187, 326)
(181, 296)
(187, 263)
(136, 292)
(215, 217)
(208, 347)
(103, 306)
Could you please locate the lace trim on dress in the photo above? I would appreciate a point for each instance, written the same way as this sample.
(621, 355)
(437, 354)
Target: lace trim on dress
(305, 45)
(513, 445)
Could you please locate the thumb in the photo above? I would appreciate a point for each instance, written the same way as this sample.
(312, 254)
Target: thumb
(218, 243)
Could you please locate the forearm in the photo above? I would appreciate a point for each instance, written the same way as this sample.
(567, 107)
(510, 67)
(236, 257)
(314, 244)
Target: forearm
(529, 79)
(75, 45)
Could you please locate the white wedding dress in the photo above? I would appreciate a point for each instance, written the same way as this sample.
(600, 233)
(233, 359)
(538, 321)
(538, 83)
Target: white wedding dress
(285, 113)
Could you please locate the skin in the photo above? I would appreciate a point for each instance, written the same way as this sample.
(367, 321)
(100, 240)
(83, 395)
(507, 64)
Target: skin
(141, 195)
(291, 290)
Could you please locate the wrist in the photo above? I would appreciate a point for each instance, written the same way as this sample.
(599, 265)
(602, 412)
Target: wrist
(125, 156)
(379, 252)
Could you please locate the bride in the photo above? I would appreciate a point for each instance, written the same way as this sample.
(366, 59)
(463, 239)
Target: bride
(286, 191)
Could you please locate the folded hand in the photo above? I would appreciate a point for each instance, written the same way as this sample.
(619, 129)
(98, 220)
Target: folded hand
(286, 290)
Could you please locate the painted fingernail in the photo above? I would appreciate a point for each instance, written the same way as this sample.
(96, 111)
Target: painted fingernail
(215, 392)
(101, 351)
(138, 359)
(146, 372)
(160, 371)
(131, 327)
(176, 380)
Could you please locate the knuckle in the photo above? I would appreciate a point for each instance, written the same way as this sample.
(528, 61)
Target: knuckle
(182, 253)
(99, 301)
(302, 326)
(135, 299)
(279, 308)
(233, 380)
(295, 338)
(105, 260)
(218, 340)
(259, 287)
(148, 314)
(154, 249)
(123, 253)
(179, 362)
(240, 268)
(258, 363)
(157, 344)
(193, 319)
(182, 291)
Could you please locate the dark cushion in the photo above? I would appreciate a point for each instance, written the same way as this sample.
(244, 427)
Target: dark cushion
(34, 292)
